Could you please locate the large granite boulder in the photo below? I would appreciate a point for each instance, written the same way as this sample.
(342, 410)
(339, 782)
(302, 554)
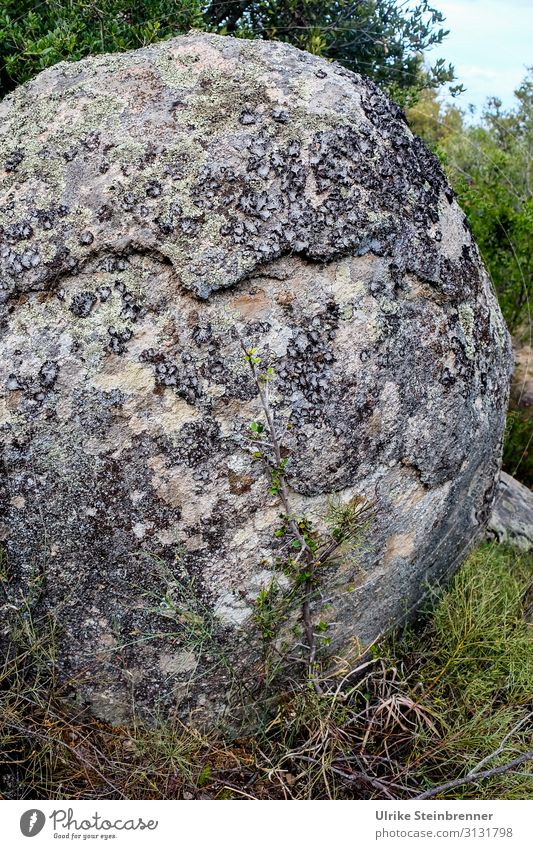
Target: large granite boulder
(153, 205)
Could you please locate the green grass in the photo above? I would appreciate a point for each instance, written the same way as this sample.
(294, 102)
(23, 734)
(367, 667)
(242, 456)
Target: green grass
(473, 666)
(424, 707)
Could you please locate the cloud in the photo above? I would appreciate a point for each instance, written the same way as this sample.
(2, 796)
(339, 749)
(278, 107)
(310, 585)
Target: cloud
(489, 44)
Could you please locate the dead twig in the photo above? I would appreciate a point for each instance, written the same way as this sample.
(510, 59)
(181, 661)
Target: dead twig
(473, 776)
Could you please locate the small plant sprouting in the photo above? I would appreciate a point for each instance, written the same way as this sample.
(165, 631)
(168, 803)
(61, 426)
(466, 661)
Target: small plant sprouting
(276, 474)
(265, 613)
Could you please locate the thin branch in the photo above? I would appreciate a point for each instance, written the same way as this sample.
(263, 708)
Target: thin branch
(306, 551)
(501, 748)
(473, 777)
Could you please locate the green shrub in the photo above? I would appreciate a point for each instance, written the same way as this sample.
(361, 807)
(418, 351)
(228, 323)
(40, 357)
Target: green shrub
(488, 163)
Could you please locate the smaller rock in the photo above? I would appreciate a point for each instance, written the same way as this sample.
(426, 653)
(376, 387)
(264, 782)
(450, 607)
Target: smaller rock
(511, 520)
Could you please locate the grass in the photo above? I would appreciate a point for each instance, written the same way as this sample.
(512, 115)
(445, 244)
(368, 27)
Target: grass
(423, 707)
(473, 667)
(518, 446)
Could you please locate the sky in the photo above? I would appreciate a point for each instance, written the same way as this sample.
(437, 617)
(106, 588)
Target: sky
(490, 43)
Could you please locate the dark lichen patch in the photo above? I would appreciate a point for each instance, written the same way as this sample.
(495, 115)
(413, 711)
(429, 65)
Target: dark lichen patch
(86, 238)
(197, 442)
(13, 160)
(118, 340)
(15, 383)
(48, 374)
(33, 388)
(82, 304)
(132, 308)
(19, 262)
(17, 232)
(305, 372)
(239, 484)
(181, 376)
(214, 531)
(103, 293)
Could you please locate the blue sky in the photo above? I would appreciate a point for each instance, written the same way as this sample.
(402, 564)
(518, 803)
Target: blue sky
(490, 43)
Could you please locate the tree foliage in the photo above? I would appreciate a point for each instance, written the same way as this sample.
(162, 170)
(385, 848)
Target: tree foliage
(434, 121)
(35, 34)
(383, 39)
(489, 164)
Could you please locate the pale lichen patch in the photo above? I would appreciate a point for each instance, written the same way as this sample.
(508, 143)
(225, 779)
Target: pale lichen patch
(177, 664)
(398, 546)
(466, 319)
(130, 378)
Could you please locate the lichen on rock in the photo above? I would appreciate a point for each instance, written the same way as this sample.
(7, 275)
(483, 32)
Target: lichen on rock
(151, 201)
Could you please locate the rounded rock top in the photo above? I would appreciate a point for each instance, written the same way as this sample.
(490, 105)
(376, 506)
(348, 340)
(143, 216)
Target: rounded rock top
(220, 155)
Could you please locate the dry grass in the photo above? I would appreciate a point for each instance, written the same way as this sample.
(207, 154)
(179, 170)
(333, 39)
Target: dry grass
(421, 709)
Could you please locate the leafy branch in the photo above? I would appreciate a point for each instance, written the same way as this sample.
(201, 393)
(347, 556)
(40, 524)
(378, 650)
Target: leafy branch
(312, 551)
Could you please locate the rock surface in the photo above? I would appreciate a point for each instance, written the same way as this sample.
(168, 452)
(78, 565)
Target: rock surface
(151, 202)
(511, 520)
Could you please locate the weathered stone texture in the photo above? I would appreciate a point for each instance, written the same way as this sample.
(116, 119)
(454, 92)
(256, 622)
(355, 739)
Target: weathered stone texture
(147, 199)
(511, 520)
